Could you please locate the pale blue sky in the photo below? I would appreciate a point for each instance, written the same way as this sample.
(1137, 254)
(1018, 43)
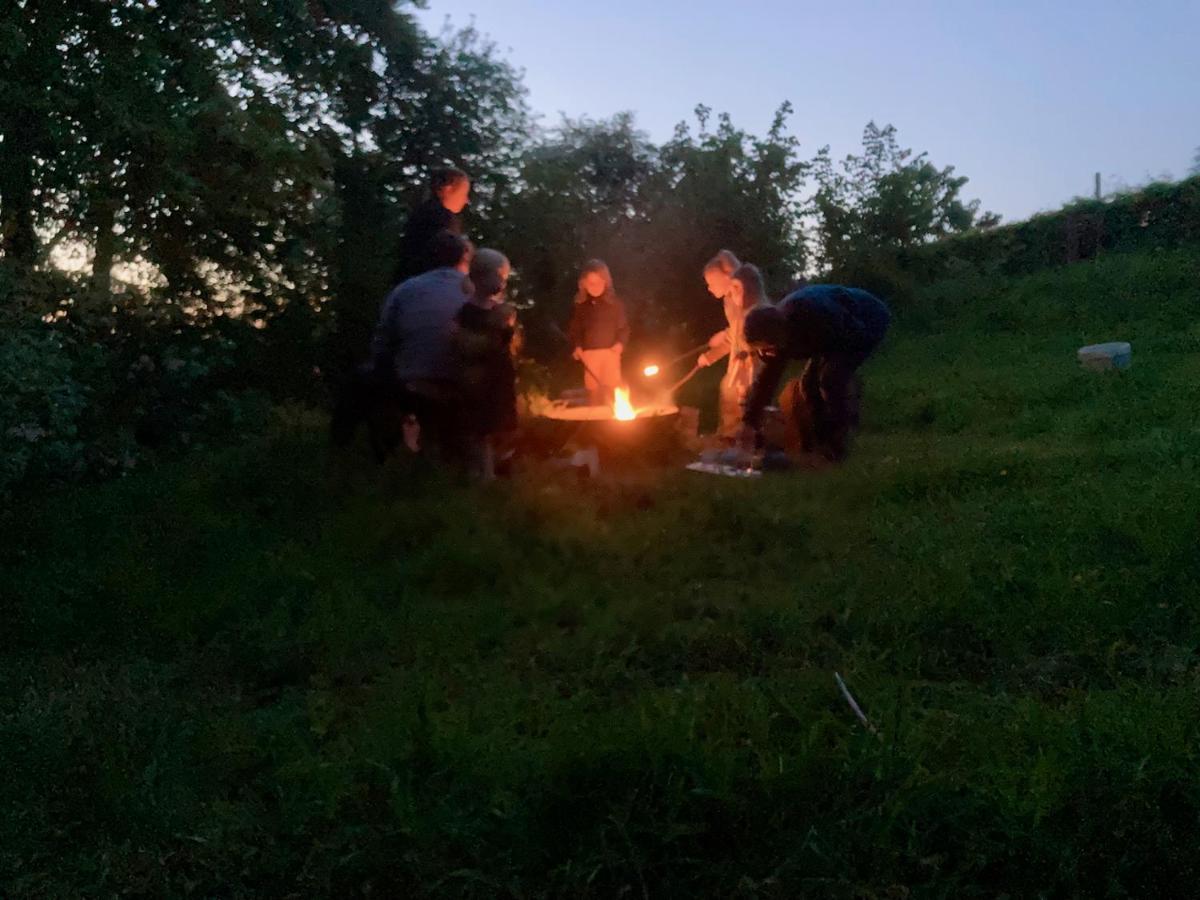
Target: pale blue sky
(1028, 99)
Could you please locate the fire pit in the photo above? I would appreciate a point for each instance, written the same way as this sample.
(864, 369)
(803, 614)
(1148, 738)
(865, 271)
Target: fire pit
(621, 432)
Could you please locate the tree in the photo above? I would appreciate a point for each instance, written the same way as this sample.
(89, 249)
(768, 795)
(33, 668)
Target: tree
(576, 189)
(33, 95)
(655, 214)
(1195, 170)
(725, 188)
(186, 133)
(874, 205)
(456, 103)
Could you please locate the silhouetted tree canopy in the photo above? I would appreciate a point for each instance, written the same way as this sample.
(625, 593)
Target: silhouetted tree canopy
(232, 177)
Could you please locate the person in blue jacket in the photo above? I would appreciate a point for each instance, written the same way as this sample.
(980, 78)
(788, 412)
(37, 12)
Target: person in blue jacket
(835, 329)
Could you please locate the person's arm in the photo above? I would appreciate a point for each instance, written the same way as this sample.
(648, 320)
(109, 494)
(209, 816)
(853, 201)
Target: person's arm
(385, 341)
(719, 346)
(575, 329)
(763, 389)
(622, 326)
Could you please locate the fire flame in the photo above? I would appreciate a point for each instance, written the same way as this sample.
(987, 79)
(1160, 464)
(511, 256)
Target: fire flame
(650, 371)
(622, 408)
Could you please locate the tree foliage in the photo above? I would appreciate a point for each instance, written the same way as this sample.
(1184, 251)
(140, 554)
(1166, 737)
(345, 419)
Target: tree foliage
(188, 134)
(873, 205)
(655, 213)
(457, 103)
(235, 175)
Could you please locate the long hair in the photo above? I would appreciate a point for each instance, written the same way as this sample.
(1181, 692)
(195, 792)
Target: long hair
(755, 293)
(725, 262)
(597, 267)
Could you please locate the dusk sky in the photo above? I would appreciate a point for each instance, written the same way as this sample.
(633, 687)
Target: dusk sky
(1027, 99)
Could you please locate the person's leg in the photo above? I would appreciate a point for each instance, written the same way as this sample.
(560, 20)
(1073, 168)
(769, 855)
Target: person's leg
(615, 357)
(385, 407)
(410, 427)
(610, 372)
(810, 421)
(734, 387)
(729, 409)
(836, 374)
(604, 374)
(590, 378)
(417, 407)
(439, 416)
(453, 431)
(795, 418)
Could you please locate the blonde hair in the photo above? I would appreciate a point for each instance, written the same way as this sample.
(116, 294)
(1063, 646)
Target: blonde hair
(752, 283)
(595, 267)
(725, 262)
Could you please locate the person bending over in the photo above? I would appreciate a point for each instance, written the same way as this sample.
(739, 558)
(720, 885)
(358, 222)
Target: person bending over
(834, 328)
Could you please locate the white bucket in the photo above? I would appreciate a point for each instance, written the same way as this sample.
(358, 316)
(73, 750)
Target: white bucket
(1102, 357)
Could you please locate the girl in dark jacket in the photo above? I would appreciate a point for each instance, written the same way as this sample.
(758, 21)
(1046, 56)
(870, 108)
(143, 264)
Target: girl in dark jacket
(599, 332)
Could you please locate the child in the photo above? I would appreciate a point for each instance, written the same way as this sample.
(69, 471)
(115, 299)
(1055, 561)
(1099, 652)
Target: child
(598, 331)
(718, 276)
(486, 328)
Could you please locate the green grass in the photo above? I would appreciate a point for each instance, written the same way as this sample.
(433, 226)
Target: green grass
(270, 672)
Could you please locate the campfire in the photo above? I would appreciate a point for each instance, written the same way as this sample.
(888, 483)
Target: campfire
(621, 410)
(623, 432)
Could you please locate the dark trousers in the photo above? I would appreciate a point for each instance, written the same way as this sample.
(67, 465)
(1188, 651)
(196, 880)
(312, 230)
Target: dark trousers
(381, 402)
(438, 408)
(830, 396)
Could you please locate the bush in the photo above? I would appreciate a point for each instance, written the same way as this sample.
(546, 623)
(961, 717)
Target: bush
(90, 391)
(41, 406)
(1159, 217)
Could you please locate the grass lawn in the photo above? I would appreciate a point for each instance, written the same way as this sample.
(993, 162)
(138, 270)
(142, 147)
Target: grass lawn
(272, 672)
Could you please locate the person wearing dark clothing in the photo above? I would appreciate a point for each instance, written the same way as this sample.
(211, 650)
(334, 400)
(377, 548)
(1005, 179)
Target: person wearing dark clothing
(598, 331)
(835, 329)
(599, 323)
(486, 330)
(413, 335)
(413, 346)
(450, 189)
(488, 374)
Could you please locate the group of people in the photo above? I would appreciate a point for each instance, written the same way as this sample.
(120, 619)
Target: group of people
(834, 329)
(443, 349)
(445, 342)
